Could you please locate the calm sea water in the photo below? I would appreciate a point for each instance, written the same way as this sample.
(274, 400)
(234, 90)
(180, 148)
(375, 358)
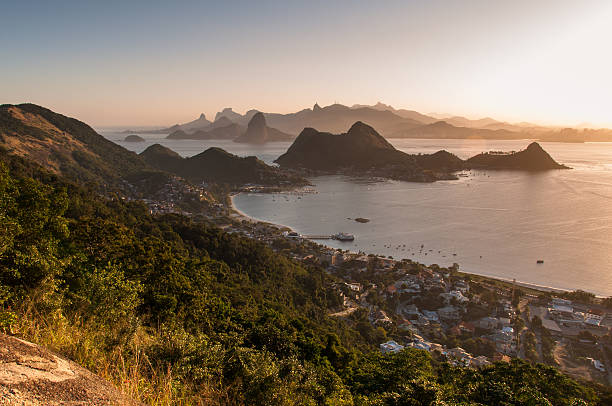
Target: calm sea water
(491, 223)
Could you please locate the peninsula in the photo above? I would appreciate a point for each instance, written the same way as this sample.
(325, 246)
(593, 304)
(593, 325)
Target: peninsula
(363, 151)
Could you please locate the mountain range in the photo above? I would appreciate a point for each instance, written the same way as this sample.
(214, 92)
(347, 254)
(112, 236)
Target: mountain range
(256, 132)
(390, 122)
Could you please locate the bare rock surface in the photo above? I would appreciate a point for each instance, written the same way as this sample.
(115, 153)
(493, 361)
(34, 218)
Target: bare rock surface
(32, 375)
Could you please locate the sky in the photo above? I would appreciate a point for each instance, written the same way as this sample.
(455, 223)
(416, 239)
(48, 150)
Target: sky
(138, 63)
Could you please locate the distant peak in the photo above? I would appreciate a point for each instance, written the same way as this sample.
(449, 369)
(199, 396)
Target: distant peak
(223, 119)
(202, 116)
(442, 123)
(383, 106)
(316, 107)
(258, 119)
(227, 110)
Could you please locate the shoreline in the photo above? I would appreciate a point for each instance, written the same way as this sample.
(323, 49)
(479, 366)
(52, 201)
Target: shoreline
(239, 214)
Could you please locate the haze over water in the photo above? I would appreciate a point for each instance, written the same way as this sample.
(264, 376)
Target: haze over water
(498, 223)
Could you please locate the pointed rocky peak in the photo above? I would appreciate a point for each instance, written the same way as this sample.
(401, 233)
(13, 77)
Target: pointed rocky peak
(202, 116)
(257, 131)
(257, 121)
(364, 134)
(316, 107)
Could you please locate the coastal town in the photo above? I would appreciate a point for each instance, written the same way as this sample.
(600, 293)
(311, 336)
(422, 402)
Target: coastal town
(464, 319)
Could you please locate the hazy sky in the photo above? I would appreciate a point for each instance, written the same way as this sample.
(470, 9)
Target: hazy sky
(158, 63)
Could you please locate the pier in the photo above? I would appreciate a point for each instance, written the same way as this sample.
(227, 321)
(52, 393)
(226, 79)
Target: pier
(318, 237)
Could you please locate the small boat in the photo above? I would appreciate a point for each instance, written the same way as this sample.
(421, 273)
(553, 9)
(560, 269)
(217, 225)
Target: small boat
(343, 237)
(540, 261)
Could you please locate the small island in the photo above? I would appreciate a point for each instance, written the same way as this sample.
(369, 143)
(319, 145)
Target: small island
(133, 138)
(362, 220)
(533, 158)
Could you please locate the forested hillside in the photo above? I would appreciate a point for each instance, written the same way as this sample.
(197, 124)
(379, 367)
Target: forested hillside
(174, 311)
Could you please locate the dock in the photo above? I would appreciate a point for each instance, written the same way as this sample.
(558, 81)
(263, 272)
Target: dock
(317, 237)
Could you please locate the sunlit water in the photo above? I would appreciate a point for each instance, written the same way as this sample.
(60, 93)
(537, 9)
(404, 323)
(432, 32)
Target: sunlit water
(490, 223)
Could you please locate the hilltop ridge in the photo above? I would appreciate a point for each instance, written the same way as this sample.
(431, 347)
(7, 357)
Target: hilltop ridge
(66, 146)
(218, 166)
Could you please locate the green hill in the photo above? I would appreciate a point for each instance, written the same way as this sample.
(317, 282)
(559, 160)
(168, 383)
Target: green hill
(177, 311)
(67, 146)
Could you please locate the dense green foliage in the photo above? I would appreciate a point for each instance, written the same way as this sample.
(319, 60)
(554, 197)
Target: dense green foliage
(232, 320)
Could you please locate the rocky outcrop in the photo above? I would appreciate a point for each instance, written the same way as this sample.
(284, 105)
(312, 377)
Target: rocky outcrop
(32, 375)
(258, 132)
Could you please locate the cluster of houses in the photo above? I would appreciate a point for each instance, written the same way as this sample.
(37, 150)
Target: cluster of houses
(563, 318)
(455, 356)
(453, 294)
(402, 283)
(563, 312)
(169, 196)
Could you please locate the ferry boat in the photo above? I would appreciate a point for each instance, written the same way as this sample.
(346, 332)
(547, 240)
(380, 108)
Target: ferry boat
(343, 237)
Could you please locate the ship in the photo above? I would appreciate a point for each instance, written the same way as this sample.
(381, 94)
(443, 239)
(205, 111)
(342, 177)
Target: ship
(343, 237)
